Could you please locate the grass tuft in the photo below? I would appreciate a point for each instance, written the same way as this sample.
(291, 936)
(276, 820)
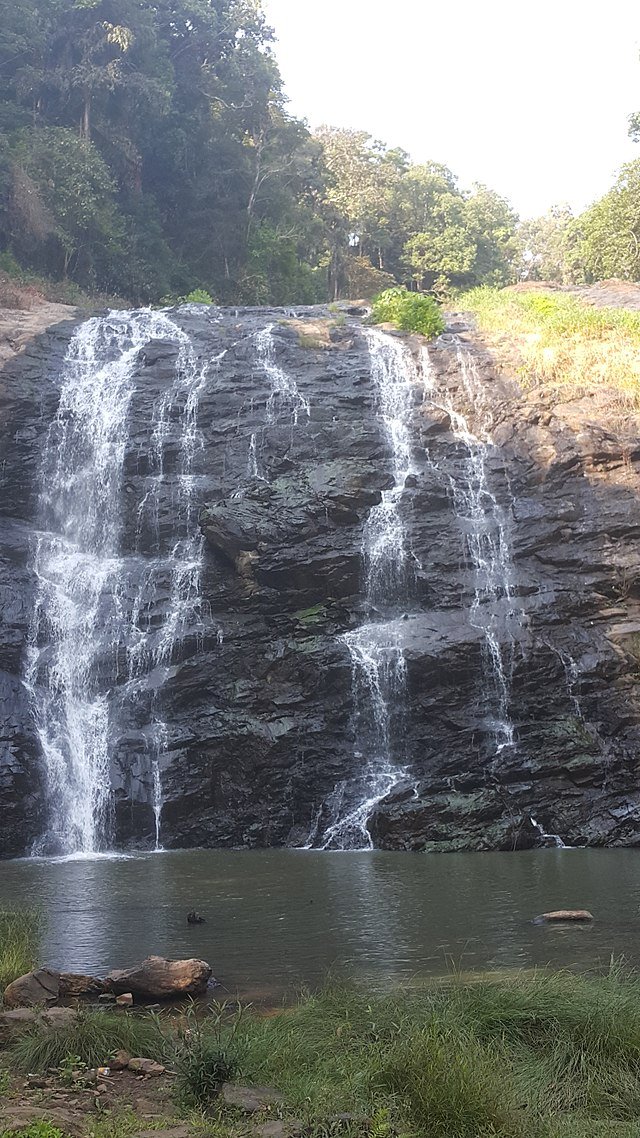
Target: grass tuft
(20, 931)
(93, 1038)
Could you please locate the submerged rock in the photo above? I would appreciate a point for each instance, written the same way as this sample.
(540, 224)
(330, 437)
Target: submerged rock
(580, 915)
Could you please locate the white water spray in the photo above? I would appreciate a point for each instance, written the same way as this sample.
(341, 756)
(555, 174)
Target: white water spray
(487, 543)
(377, 648)
(85, 620)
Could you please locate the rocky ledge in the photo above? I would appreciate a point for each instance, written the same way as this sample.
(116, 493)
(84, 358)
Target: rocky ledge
(258, 697)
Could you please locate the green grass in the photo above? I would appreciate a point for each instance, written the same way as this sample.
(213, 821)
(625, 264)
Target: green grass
(555, 338)
(93, 1038)
(548, 1055)
(19, 942)
(543, 1057)
(41, 1129)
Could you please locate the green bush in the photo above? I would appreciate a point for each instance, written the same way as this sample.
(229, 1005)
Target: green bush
(409, 311)
(201, 1068)
(9, 265)
(19, 941)
(197, 296)
(92, 1038)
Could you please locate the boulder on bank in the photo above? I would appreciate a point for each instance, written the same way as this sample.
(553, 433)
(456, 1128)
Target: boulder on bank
(38, 987)
(160, 979)
(45, 985)
(76, 984)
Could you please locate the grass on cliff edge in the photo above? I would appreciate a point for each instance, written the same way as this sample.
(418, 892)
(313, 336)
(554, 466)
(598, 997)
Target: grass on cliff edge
(19, 943)
(555, 338)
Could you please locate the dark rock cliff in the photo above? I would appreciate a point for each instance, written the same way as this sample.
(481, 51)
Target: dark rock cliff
(257, 697)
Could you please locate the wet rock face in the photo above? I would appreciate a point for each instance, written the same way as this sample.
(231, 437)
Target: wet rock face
(568, 488)
(257, 695)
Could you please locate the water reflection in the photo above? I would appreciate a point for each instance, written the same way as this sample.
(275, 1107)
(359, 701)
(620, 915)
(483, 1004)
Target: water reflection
(279, 920)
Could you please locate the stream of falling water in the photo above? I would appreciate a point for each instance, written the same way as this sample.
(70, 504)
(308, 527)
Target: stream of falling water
(376, 648)
(92, 598)
(285, 403)
(487, 542)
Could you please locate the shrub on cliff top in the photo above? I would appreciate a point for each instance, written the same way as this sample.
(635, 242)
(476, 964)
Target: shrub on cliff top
(409, 311)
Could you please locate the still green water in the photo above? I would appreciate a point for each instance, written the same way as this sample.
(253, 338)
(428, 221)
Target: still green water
(278, 920)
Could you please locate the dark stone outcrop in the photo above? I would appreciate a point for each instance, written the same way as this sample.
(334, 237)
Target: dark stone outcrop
(32, 989)
(160, 979)
(258, 696)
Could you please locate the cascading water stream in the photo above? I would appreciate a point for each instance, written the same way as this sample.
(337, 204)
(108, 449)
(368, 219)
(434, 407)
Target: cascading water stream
(487, 542)
(92, 597)
(376, 648)
(285, 403)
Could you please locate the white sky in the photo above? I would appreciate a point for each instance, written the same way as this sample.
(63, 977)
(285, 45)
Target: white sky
(530, 97)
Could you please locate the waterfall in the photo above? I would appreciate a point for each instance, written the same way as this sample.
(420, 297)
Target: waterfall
(93, 595)
(376, 648)
(485, 527)
(285, 402)
(285, 396)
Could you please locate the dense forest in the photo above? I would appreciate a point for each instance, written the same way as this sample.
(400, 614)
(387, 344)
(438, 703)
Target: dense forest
(146, 151)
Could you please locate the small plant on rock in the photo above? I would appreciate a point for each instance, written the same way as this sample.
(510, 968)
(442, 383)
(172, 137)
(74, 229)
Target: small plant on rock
(197, 296)
(69, 1068)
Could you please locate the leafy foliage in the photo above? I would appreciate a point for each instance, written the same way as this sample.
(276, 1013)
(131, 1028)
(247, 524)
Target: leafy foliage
(146, 151)
(409, 311)
(206, 1055)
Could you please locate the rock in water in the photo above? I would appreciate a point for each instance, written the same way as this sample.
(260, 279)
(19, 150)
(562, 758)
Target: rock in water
(39, 987)
(566, 915)
(160, 979)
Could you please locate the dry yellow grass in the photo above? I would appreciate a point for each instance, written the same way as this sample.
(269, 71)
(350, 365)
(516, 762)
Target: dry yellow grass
(556, 339)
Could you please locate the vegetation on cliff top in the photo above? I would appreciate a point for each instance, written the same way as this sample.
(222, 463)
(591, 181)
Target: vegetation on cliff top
(556, 338)
(409, 311)
(146, 151)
